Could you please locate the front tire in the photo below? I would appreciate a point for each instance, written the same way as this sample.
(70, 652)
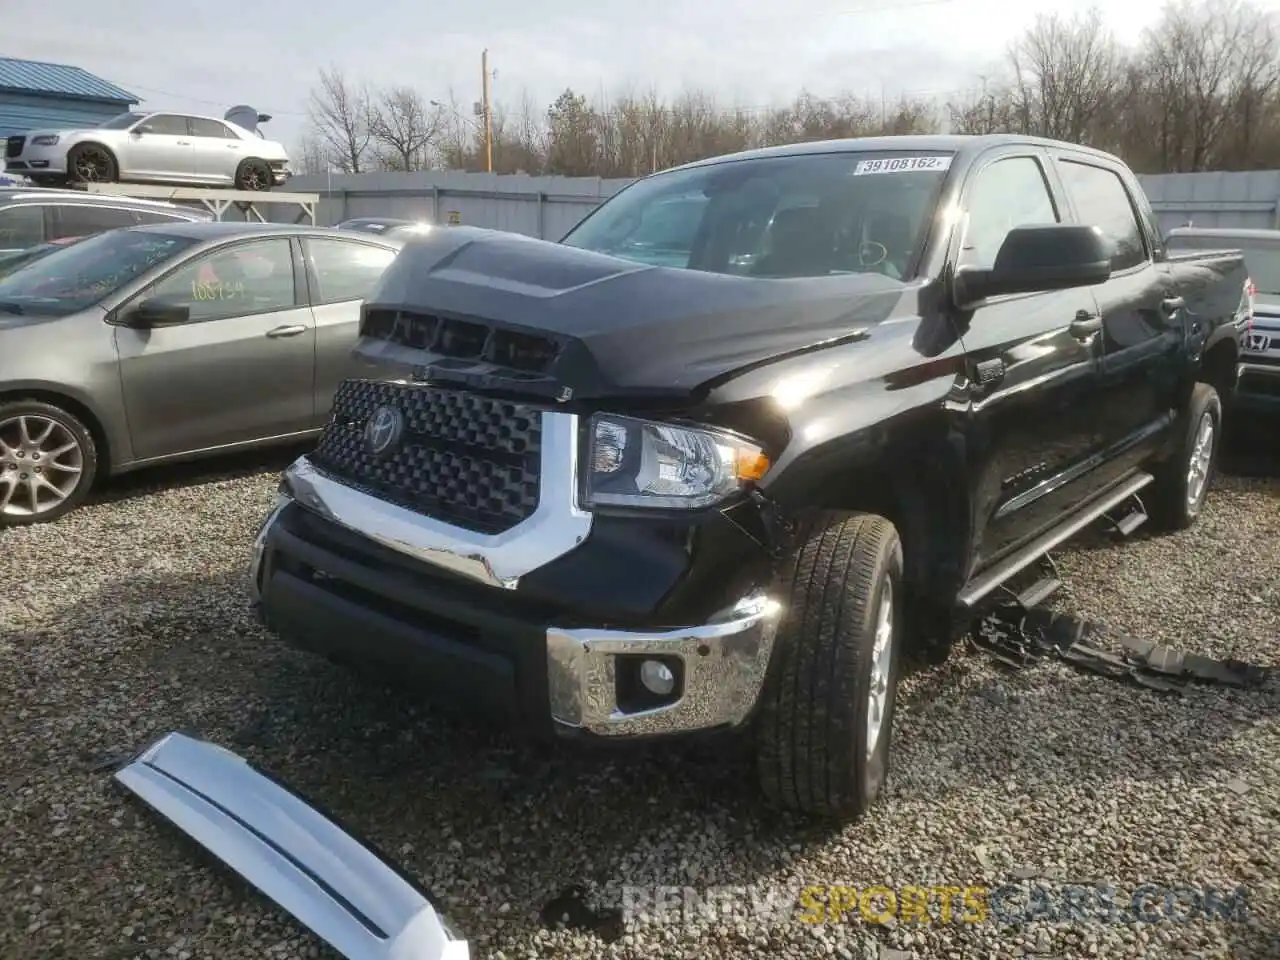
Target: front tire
(253, 175)
(825, 726)
(91, 163)
(1183, 481)
(48, 461)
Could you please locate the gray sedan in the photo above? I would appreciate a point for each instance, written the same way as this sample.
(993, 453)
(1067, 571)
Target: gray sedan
(168, 342)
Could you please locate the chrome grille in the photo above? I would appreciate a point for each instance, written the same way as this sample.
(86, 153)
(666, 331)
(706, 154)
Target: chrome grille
(465, 459)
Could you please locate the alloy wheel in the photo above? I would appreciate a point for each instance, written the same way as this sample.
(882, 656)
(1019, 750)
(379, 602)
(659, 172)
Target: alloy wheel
(1201, 458)
(40, 465)
(881, 664)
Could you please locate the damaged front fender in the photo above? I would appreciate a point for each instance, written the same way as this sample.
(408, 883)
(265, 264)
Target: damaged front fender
(341, 890)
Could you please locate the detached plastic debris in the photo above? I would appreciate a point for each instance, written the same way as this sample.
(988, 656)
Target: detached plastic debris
(1015, 637)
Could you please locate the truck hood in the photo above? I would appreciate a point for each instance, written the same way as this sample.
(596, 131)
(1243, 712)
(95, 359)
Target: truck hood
(499, 310)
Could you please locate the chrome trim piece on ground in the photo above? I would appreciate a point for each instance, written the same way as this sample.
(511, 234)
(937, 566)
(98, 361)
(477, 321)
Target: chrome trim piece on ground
(340, 890)
(724, 668)
(555, 527)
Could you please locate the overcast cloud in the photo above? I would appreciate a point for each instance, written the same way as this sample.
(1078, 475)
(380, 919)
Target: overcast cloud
(206, 57)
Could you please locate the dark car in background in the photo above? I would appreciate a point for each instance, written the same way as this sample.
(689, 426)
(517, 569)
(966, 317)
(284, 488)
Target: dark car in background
(30, 216)
(1258, 387)
(167, 342)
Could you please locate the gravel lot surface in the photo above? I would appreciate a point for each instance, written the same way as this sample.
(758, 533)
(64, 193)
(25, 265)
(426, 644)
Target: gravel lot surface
(128, 620)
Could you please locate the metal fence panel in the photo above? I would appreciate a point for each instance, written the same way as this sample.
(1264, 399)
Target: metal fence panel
(547, 207)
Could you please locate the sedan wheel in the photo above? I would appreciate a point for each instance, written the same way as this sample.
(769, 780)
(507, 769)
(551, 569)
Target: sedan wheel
(47, 462)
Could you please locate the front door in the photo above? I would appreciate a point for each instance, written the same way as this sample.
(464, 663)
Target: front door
(241, 369)
(159, 148)
(1033, 370)
(1143, 323)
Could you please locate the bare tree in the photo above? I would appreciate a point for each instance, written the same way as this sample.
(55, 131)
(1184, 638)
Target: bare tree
(404, 127)
(341, 119)
(308, 156)
(1066, 75)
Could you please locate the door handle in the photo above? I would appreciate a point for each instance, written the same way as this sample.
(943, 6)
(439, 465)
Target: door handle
(288, 330)
(1085, 325)
(1171, 305)
(184, 143)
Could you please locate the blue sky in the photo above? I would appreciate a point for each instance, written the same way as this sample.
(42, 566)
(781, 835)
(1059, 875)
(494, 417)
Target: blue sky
(206, 57)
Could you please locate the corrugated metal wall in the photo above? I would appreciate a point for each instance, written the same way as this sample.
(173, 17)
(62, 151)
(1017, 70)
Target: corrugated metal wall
(1250, 200)
(21, 112)
(547, 207)
(544, 207)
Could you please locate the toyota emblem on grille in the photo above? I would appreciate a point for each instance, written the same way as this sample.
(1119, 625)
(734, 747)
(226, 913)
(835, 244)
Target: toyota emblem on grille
(383, 430)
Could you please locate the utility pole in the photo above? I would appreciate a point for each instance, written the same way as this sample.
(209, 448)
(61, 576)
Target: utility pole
(488, 123)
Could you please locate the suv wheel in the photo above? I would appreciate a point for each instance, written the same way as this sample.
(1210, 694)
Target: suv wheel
(47, 462)
(1183, 481)
(825, 725)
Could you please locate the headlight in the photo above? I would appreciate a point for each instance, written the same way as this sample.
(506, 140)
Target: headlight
(45, 141)
(639, 463)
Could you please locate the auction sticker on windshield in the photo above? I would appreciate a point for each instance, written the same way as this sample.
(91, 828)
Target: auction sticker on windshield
(902, 165)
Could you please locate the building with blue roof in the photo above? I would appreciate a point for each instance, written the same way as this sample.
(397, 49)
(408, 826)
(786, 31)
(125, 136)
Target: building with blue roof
(36, 95)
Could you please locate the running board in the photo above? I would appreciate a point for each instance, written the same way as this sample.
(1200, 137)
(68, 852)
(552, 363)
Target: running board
(979, 587)
(343, 892)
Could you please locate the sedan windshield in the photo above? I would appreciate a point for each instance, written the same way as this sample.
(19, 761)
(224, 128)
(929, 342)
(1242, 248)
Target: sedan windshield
(809, 215)
(122, 121)
(70, 278)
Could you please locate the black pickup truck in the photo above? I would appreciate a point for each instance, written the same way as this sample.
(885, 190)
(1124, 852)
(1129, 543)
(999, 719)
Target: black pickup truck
(752, 428)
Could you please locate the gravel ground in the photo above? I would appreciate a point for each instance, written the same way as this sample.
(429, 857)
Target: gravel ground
(128, 620)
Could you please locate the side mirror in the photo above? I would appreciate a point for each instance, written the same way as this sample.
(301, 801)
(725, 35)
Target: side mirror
(1040, 258)
(155, 312)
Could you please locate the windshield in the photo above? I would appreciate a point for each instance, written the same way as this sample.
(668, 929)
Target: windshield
(121, 122)
(70, 278)
(1261, 257)
(801, 216)
(10, 262)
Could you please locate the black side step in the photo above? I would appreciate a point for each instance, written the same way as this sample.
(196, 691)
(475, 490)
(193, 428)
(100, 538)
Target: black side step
(992, 579)
(1038, 592)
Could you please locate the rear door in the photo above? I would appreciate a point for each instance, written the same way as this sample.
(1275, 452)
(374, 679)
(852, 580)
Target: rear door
(217, 151)
(342, 273)
(1142, 321)
(241, 369)
(160, 149)
(1033, 374)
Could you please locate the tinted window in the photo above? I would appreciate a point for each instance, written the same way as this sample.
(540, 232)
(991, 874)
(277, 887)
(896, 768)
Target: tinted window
(802, 216)
(166, 124)
(202, 127)
(254, 277)
(346, 271)
(1009, 193)
(121, 122)
(1261, 259)
(21, 227)
(80, 220)
(83, 273)
(1102, 201)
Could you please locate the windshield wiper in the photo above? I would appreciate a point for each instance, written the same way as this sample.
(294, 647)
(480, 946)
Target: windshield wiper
(8, 306)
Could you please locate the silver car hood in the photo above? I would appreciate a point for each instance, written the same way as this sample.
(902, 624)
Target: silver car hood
(342, 891)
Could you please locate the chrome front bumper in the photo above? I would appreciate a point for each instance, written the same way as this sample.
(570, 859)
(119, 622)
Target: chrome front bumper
(724, 665)
(723, 661)
(343, 892)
